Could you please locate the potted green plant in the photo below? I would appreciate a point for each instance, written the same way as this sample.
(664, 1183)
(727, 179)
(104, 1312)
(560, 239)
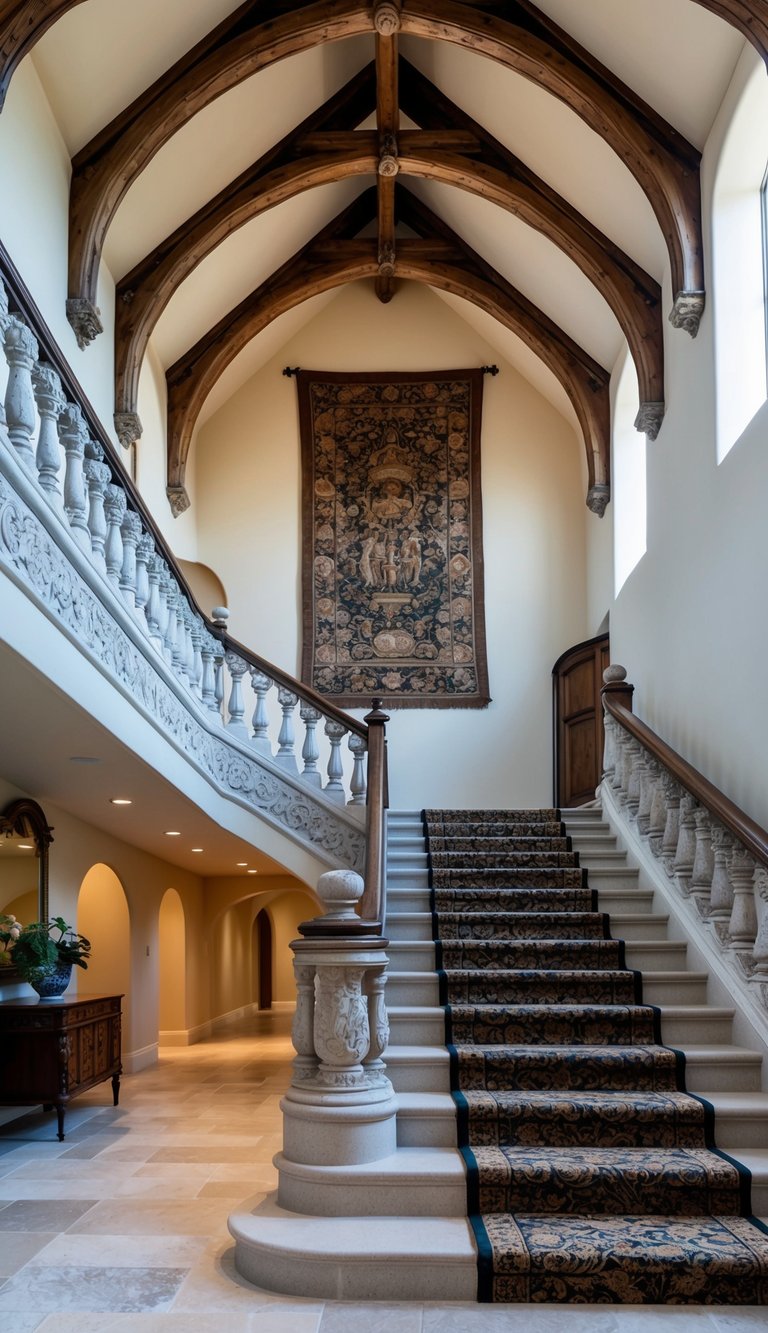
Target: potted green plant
(45, 959)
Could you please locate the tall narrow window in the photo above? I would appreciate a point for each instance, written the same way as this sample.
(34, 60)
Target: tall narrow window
(738, 260)
(628, 485)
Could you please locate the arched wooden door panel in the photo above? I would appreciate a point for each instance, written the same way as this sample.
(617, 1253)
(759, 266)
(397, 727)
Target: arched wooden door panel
(577, 678)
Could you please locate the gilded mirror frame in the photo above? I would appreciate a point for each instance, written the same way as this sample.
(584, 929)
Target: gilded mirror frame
(25, 818)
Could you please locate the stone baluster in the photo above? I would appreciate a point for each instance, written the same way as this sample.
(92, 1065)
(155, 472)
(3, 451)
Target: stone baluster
(114, 506)
(219, 687)
(4, 317)
(208, 650)
(180, 659)
(154, 610)
(636, 768)
(310, 751)
(620, 741)
(742, 927)
(648, 780)
(303, 1026)
(685, 853)
(703, 862)
(721, 892)
(759, 975)
(171, 590)
(378, 1024)
(261, 685)
(335, 731)
(21, 351)
(657, 819)
(196, 636)
(130, 531)
(144, 550)
(237, 668)
(286, 739)
(97, 476)
(609, 747)
(358, 782)
(73, 434)
(50, 400)
(672, 826)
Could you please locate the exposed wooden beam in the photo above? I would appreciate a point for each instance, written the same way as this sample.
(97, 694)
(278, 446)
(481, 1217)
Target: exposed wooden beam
(662, 161)
(386, 21)
(280, 174)
(22, 24)
(496, 174)
(441, 259)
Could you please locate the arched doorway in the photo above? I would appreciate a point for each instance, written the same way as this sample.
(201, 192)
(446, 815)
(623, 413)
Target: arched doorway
(103, 916)
(263, 952)
(172, 967)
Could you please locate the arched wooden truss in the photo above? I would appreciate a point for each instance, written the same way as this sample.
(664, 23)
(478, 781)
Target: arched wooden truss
(334, 257)
(23, 23)
(461, 153)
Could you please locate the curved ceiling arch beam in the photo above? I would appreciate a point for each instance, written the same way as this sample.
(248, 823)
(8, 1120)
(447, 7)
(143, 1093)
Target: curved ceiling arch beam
(662, 161)
(21, 27)
(665, 165)
(330, 261)
(28, 20)
(144, 293)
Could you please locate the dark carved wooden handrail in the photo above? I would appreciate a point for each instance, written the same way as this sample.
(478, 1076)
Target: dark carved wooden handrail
(750, 834)
(373, 904)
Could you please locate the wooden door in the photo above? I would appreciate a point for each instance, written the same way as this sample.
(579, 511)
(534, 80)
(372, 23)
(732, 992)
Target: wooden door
(577, 679)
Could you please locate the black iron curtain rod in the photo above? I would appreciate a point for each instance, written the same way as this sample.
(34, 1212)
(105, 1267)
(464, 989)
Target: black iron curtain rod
(290, 371)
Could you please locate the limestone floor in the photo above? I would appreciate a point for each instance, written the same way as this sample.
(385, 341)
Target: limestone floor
(124, 1225)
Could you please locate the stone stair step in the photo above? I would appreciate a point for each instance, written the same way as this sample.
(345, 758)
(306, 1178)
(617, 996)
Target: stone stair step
(656, 955)
(639, 925)
(426, 1119)
(685, 1024)
(355, 1258)
(412, 988)
(414, 1181)
(741, 1119)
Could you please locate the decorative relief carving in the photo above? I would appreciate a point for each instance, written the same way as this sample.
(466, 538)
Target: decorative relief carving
(597, 499)
(83, 315)
(29, 552)
(386, 18)
(649, 418)
(687, 311)
(128, 428)
(177, 499)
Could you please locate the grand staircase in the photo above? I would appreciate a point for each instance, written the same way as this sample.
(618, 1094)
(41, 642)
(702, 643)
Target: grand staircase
(597, 1099)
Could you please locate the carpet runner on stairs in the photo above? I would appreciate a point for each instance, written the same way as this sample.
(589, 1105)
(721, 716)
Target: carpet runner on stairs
(591, 1173)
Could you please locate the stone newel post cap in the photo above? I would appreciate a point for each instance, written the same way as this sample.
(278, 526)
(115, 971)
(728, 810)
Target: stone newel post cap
(614, 673)
(338, 891)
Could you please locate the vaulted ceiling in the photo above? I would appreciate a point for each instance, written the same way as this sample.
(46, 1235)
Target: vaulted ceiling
(231, 164)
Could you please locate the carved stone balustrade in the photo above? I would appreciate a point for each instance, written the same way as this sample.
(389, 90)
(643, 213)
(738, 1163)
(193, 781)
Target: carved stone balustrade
(715, 857)
(102, 570)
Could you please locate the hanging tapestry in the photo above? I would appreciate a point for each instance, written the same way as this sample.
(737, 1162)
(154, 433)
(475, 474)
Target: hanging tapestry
(392, 538)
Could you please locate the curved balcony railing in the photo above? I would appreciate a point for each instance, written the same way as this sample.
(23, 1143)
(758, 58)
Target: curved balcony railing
(326, 785)
(710, 850)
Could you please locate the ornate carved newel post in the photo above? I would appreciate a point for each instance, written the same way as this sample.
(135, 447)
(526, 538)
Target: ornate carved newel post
(340, 1108)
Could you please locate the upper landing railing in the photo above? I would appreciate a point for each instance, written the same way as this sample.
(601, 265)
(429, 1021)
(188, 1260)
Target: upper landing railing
(711, 851)
(75, 532)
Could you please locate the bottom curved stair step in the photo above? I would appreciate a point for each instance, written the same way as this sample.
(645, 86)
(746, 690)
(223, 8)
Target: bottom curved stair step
(355, 1258)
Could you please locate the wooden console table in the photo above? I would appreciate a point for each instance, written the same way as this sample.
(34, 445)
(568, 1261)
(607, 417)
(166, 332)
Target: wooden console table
(54, 1049)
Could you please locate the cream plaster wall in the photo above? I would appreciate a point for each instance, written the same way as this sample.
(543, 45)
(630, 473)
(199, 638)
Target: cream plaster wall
(689, 623)
(104, 918)
(534, 539)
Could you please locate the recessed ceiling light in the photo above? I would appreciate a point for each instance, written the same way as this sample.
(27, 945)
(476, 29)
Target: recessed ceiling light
(253, 872)
(242, 863)
(172, 833)
(120, 800)
(197, 849)
(83, 759)
(25, 846)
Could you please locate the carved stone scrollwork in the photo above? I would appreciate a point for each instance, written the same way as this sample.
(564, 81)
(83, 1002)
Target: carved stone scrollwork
(649, 418)
(687, 311)
(177, 499)
(342, 1035)
(128, 428)
(84, 317)
(597, 499)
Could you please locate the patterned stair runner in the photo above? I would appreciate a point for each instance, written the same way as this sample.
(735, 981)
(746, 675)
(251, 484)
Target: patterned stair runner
(592, 1174)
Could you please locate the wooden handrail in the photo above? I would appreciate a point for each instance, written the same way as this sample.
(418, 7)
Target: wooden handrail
(373, 904)
(749, 833)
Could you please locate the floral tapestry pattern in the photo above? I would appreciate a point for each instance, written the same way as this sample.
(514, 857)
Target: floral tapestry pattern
(392, 538)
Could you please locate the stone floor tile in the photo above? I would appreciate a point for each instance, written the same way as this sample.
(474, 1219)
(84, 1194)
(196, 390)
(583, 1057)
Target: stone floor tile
(747, 1319)
(154, 1217)
(519, 1319)
(43, 1215)
(215, 1285)
(16, 1249)
(104, 1251)
(375, 1318)
(80, 1288)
